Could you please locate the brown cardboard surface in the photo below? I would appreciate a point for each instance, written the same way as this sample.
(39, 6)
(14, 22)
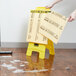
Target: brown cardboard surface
(52, 25)
(33, 34)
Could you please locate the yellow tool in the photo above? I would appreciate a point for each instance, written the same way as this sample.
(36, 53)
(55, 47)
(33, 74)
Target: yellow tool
(40, 48)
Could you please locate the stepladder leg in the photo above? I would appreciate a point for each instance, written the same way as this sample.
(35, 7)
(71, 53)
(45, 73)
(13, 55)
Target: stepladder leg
(29, 52)
(51, 51)
(29, 49)
(50, 47)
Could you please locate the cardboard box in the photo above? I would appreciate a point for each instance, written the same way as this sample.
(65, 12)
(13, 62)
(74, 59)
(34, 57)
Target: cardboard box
(33, 34)
(52, 25)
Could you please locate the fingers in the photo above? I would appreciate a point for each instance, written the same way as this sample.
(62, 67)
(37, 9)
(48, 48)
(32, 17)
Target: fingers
(46, 7)
(50, 6)
(70, 19)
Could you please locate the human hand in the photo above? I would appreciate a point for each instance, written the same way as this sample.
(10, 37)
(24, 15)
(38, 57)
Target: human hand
(49, 6)
(53, 3)
(72, 16)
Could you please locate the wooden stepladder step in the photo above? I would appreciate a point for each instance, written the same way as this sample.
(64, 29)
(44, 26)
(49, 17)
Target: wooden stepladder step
(38, 47)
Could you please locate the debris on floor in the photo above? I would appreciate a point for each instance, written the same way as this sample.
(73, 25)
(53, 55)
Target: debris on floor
(67, 68)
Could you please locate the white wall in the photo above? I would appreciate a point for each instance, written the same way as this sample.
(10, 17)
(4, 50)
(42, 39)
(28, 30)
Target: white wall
(15, 14)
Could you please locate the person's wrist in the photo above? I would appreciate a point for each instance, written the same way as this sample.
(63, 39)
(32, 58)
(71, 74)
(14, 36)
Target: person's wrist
(74, 11)
(51, 5)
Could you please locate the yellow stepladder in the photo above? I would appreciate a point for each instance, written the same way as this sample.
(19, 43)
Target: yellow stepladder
(40, 48)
